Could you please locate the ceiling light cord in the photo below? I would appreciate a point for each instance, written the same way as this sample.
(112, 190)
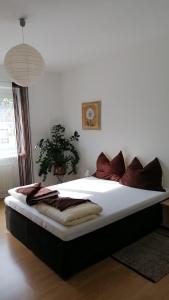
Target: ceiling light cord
(22, 24)
(23, 36)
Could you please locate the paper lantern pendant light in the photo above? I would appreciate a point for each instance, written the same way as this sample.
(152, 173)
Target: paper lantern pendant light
(23, 63)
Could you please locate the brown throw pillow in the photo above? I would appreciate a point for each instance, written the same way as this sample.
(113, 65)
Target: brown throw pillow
(111, 170)
(148, 178)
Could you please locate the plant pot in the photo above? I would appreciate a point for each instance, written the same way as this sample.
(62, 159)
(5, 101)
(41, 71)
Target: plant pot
(59, 171)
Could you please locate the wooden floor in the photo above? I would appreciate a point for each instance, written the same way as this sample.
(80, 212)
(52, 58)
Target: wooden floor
(24, 277)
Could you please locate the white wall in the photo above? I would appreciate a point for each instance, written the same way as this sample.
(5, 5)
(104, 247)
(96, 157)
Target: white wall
(3, 75)
(134, 89)
(45, 110)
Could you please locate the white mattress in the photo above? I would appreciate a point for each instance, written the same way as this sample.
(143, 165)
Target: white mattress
(117, 201)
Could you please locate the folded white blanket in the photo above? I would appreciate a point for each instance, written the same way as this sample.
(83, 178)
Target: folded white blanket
(71, 216)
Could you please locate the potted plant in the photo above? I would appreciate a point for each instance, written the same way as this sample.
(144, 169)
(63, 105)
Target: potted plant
(58, 153)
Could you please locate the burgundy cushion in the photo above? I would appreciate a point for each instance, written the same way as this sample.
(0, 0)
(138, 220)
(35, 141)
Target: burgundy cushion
(107, 169)
(118, 167)
(148, 178)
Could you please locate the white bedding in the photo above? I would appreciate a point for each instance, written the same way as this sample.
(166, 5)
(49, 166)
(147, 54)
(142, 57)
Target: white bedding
(117, 201)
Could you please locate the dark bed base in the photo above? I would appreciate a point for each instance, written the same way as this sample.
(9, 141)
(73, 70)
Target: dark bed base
(67, 258)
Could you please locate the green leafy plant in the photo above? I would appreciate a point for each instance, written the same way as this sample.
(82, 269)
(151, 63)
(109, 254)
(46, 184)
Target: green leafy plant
(58, 151)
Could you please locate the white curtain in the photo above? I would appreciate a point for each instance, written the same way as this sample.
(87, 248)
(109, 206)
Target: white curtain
(9, 177)
(8, 152)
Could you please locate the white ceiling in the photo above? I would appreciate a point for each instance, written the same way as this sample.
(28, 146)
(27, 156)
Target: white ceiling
(71, 32)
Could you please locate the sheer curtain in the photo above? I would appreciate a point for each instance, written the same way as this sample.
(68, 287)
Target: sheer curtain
(23, 137)
(9, 176)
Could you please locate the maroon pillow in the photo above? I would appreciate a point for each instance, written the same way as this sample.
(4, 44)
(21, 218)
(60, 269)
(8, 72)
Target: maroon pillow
(112, 170)
(118, 167)
(148, 178)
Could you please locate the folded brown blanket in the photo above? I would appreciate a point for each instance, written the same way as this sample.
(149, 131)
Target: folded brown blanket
(36, 194)
(63, 203)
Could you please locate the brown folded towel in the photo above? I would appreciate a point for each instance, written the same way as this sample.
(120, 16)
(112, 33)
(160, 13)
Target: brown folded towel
(29, 190)
(43, 193)
(48, 197)
(37, 193)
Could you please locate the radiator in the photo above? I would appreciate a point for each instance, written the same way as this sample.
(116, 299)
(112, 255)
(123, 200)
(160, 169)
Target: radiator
(9, 177)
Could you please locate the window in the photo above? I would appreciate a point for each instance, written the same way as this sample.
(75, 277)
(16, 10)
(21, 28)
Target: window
(8, 147)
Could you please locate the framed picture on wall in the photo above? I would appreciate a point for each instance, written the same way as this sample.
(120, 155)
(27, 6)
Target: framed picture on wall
(91, 115)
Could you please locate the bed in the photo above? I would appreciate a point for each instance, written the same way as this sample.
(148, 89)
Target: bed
(128, 214)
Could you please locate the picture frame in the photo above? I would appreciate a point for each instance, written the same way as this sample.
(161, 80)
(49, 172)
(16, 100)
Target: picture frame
(91, 115)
